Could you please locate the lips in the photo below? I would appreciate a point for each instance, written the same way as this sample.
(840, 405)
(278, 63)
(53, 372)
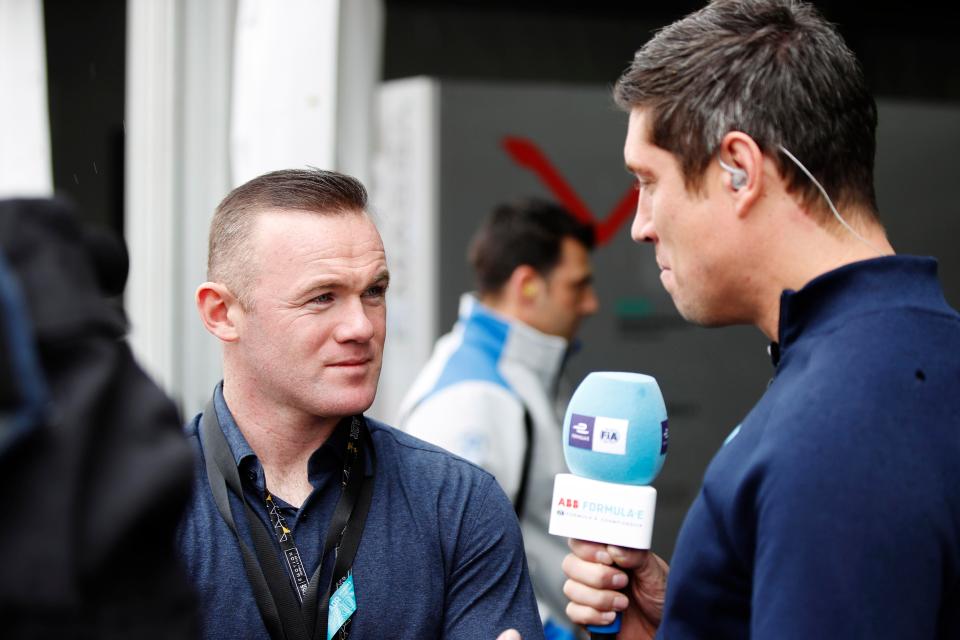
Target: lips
(353, 362)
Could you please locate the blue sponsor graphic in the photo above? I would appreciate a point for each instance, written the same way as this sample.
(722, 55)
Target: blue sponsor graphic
(664, 437)
(343, 603)
(581, 431)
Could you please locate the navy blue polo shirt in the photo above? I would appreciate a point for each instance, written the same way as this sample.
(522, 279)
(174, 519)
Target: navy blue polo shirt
(441, 554)
(834, 510)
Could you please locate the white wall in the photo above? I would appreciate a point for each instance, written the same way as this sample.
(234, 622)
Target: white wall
(24, 117)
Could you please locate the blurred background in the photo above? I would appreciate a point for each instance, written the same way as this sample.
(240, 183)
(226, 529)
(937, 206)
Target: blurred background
(146, 112)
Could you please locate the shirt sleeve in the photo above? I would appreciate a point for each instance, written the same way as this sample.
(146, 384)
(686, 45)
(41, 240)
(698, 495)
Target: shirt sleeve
(476, 420)
(489, 587)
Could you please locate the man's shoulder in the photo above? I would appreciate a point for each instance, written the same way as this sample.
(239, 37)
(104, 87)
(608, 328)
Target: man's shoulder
(425, 470)
(470, 364)
(871, 362)
(453, 364)
(439, 486)
(888, 327)
(408, 452)
(886, 382)
(458, 358)
(477, 420)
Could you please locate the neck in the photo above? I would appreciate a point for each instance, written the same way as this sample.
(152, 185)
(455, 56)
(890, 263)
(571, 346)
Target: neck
(511, 308)
(799, 259)
(283, 438)
(497, 302)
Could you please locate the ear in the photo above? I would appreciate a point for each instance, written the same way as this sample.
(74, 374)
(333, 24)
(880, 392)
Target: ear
(525, 285)
(744, 176)
(219, 310)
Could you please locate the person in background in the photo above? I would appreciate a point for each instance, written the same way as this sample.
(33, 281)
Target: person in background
(489, 392)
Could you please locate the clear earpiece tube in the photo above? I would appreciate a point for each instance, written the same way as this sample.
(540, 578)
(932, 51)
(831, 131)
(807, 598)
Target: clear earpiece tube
(836, 213)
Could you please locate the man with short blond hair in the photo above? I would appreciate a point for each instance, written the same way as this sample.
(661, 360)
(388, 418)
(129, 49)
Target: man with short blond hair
(310, 520)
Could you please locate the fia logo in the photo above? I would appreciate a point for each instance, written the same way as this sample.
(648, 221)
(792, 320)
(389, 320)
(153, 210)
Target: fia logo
(610, 435)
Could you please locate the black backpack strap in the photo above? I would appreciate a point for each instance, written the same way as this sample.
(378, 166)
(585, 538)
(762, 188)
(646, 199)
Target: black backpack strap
(521, 498)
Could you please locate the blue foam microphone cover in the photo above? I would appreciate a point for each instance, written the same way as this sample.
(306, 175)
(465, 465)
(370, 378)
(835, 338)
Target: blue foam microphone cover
(615, 429)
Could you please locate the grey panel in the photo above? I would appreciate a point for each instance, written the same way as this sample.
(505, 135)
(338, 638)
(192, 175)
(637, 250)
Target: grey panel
(917, 176)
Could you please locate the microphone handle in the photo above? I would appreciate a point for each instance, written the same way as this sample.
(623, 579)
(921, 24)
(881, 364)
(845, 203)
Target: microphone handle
(607, 631)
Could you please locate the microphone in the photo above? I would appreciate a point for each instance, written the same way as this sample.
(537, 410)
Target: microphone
(615, 438)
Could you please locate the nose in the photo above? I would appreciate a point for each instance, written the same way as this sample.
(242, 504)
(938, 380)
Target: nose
(353, 325)
(642, 229)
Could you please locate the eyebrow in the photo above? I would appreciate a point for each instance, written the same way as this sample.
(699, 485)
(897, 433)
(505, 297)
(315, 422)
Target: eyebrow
(381, 278)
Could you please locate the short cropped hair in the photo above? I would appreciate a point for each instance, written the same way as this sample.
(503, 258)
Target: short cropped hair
(773, 69)
(528, 231)
(311, 190)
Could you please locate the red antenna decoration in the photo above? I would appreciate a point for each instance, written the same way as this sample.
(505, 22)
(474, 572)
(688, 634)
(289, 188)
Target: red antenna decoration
(526, 154)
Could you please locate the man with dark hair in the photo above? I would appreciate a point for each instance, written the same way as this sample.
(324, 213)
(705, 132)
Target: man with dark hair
(308, 519)
(832, 510)
(488, 392)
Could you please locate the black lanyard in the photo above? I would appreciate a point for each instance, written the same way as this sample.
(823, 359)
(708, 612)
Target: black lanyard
(288, 548)
(280, 610)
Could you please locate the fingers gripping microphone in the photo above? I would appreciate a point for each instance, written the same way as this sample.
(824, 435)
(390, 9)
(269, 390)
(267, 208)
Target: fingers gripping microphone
(615, 441)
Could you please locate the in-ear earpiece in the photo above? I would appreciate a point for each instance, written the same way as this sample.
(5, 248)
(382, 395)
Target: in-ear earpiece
(530, 289)
(738, 177)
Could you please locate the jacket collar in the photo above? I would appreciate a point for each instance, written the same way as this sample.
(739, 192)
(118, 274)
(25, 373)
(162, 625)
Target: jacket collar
(831, 299)
(517, 341)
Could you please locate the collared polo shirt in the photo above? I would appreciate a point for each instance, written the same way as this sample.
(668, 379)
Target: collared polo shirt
(441, 554)
(833, 511)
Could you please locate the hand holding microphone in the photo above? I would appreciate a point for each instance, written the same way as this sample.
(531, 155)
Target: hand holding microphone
(594, 588)
(615, 441)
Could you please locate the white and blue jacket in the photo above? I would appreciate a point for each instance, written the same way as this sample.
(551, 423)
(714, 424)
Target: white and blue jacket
(470, 399)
